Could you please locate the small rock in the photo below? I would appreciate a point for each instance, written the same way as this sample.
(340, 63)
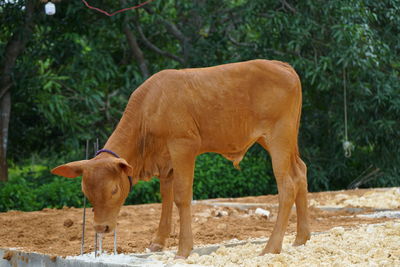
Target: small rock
(219, 213)
(73, 238)
(222, 226)
(68, 223)
(337, 231)
(8, 255)
(262, 212)
(224, 213)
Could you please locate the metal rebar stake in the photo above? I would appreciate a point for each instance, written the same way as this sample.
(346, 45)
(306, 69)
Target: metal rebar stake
(84, 206)
(95, 245)
(115, 241)
(96, 148)
(100, 244)
(83, 225)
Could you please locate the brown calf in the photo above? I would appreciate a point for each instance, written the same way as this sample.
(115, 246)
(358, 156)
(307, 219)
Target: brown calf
(178, 114)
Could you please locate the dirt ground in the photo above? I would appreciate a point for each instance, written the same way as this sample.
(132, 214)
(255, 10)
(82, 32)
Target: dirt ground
(58, 232)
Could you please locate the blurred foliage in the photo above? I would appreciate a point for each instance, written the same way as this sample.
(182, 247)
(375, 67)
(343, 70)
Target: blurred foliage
(76, 74)
(32, 188)
(216, 177)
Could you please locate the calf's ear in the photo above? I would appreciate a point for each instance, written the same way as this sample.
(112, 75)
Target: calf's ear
(125, 167)
(70, 170)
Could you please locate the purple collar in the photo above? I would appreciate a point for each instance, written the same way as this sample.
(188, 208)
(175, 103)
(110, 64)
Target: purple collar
(115, 155)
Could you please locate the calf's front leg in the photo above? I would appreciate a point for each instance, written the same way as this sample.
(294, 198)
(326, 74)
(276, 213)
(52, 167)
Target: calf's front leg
(164, 227)
(183, 159)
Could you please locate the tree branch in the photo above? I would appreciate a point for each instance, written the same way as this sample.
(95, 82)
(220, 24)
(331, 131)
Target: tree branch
(286, 4)
(169, 26)
(137, 52)
(366, 178)
(233, 40)
(135, 48)
(173, 29)
(237, 43)
(155, 48)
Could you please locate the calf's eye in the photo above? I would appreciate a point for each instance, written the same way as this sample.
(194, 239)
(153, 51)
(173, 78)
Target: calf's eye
(115, 190)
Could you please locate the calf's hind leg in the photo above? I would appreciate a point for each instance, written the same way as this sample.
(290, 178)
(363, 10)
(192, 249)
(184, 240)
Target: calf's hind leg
(300, 178)
(283, 151)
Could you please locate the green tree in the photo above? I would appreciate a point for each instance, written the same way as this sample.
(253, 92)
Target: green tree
(75, 75)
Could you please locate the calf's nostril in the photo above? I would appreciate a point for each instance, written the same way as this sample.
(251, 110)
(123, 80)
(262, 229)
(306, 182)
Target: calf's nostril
(100, 228)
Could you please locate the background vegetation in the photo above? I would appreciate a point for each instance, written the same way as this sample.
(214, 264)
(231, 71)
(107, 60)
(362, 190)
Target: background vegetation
(75, 71)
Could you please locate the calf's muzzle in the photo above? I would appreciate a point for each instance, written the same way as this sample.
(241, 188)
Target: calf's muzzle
(102, 228)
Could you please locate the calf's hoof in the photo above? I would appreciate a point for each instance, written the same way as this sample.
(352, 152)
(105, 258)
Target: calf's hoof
(154, 247)
(270, 250)
(301, 240)
(183, 254)
(179, 257)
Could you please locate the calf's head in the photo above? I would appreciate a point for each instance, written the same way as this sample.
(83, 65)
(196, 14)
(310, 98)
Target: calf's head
(104, 183)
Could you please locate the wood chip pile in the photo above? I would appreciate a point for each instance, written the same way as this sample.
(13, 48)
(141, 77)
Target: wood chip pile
(388, 199)
(368, 245)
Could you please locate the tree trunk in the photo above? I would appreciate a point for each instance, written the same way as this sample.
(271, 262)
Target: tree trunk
(5, 107)
(13, 49)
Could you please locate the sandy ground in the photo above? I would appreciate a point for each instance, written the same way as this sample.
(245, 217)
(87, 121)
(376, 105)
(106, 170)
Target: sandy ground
(58, 232)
